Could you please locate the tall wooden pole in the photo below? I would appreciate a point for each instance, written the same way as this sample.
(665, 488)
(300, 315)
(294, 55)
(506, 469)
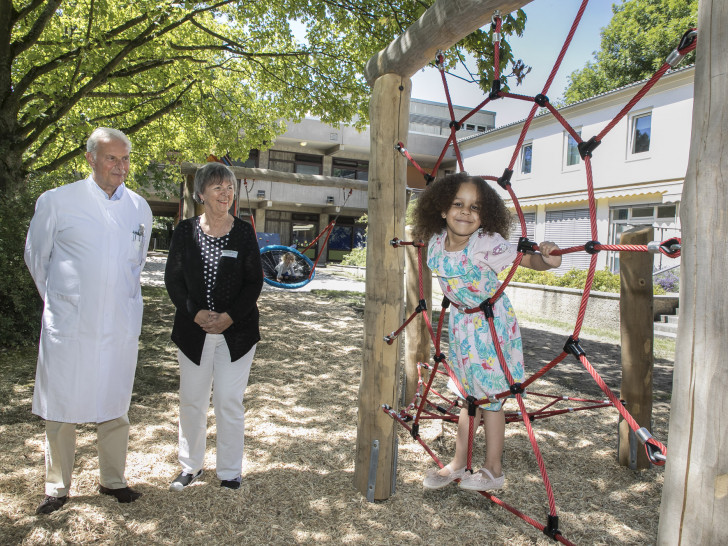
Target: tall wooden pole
(417, 341)
(389, 112)
(694, 507)
(636, 324)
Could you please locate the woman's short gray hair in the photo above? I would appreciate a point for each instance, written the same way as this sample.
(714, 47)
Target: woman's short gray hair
(105, 133)
(212, 173)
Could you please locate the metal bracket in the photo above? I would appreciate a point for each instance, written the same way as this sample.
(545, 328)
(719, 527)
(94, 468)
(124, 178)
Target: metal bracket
(373, 464)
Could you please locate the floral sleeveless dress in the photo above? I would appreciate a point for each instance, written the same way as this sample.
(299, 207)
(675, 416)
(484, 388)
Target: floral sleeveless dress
(467, 277)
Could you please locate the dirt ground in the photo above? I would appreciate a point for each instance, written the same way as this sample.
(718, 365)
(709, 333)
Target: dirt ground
(301, 409)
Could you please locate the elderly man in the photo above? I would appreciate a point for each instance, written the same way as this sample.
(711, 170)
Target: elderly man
(85, 249)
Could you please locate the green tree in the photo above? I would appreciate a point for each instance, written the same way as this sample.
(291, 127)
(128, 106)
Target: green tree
(635, 44)
(188, 78)
(182, 79)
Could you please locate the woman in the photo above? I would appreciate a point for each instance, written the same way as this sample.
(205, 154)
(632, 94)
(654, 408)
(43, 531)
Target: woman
(214, 277)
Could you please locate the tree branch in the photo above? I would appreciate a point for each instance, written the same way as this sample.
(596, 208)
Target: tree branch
(32, 36)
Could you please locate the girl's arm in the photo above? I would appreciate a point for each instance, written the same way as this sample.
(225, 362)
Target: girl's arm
(544, 260)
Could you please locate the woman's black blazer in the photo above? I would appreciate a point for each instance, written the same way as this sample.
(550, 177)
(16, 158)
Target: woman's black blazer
(238, 285)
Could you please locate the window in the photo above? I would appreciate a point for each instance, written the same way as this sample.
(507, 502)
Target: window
(530, 219)
(282, 161)
(663, 218)
(572, 150)
(526, 154)
(252, 161)
(640, 134)
(289, 162)
(309, 164)
(350, 168)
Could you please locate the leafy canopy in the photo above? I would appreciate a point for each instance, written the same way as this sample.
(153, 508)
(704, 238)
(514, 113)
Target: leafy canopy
(635, 44)
(185, 79)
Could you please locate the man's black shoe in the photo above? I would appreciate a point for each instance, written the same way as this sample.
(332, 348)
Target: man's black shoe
(51, 504)
(122, 494)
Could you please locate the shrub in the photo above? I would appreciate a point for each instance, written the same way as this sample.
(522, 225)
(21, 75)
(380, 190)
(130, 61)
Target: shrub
(357, 257)
(19, 300)
(668, 281)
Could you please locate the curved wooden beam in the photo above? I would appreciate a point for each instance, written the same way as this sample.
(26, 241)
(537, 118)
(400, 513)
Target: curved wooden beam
(444, 24)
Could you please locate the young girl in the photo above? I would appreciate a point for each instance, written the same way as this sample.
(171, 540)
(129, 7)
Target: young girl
(467, 224)
(285, 269)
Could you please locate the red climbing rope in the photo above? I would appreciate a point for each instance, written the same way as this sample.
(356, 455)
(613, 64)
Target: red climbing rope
(447, 409)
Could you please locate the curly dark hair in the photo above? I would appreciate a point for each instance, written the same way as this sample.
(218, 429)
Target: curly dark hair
(439, 195)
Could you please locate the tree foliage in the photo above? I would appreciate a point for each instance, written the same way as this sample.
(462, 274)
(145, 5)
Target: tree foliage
(183, 79)
(635, 44)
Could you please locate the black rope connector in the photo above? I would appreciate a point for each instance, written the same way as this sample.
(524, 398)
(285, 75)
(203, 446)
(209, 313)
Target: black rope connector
(688, 38)
(441, 409)
(590, 247)
(541, 100)
(415, 432)
(400, 148)
(495, 90)
(516, 388)
(655, 454)
(552, 527)
(395, 242)
(428, 178)
(445, 303)
(487, 307)
(572, 347)
(586, 148)
(505, 180)
(472, 406)
(422, 306)
(455, 124)
(524, 245)
(390, 338)
(439, 357)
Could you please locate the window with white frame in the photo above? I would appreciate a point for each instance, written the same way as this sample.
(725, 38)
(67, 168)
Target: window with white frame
(526, 158)
(571, 149)
(662, 217)
(640, 133)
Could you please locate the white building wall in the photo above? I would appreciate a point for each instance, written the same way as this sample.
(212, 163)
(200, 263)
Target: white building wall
(620, 178)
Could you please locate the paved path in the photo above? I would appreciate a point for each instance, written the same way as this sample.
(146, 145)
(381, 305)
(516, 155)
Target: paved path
(153, 275)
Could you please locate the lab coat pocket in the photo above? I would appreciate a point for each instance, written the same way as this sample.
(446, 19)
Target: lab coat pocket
(61, 314)
(136, 249)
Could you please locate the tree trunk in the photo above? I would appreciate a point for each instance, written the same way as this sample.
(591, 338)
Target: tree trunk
(636, 324)
(12, 174)
(389, 109)
(694, 507)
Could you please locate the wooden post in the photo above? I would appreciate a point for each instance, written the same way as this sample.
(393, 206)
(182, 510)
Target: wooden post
(695, 495)
(389, 112)
(417, 341)
(636, 325)
(189, 206)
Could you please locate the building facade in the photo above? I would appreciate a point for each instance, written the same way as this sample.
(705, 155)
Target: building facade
(638, 169)
(286, 213)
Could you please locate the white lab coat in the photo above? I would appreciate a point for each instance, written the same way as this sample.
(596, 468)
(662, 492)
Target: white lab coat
(86, 262)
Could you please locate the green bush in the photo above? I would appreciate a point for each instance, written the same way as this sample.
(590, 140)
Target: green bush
(604, 280)
(357, 257)
(19, 300)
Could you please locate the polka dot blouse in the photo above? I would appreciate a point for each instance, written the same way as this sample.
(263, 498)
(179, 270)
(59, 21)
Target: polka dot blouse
(211, 248)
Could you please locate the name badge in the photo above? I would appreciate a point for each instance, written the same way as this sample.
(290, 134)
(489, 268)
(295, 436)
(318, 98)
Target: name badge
(229, 253)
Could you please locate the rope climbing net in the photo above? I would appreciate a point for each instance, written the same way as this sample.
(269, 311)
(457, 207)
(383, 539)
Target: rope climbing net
(430, 403)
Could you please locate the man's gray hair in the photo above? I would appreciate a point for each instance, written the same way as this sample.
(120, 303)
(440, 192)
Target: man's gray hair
(105, 133)
(212, 173)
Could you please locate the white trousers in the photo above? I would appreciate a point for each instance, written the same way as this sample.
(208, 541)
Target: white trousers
(227, 380)
(112, 440)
